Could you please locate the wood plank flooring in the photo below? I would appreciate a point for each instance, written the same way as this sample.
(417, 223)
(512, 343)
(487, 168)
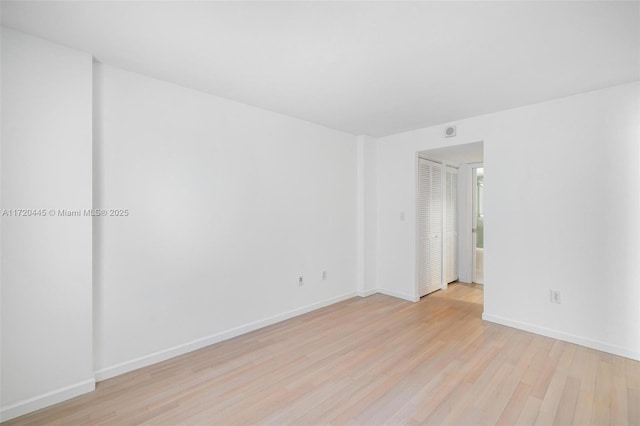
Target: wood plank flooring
(375, 360)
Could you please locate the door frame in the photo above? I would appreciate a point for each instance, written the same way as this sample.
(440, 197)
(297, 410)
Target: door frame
(474, 209)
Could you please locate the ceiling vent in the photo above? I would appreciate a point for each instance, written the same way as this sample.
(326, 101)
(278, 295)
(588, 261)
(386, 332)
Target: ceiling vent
(449, 131)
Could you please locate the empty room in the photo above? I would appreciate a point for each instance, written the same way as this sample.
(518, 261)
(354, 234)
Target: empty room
(320, 212)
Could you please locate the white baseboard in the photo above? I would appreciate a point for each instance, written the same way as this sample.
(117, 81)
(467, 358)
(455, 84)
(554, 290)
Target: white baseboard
(410, 298)
(41, 401)
(571, 338)
(163, 355)
(366, 293)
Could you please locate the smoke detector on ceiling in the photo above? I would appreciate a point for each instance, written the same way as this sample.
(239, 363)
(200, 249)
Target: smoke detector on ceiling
(449, 131)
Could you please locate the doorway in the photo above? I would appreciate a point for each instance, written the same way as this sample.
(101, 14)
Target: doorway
(449, 214)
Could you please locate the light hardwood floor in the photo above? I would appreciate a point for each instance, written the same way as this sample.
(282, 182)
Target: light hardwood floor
(376, 360)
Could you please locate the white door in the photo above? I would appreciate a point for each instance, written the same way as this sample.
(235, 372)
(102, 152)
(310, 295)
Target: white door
(429, 226)
(451, 225)
(478, 225)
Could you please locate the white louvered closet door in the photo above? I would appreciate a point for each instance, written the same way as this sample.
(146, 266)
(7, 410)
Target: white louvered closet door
(429, 226)
(451, 226)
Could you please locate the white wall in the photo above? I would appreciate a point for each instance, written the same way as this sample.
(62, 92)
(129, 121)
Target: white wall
(46, 261)
(228, 205)
(370, 238)
(562, 209)
(367, 215)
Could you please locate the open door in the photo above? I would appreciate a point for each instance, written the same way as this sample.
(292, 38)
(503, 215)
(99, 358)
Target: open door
(451, 226)
(478, 225)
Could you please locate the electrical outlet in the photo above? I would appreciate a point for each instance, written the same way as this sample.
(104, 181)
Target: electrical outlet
(300, 281)
(556, 296)
(324, 275)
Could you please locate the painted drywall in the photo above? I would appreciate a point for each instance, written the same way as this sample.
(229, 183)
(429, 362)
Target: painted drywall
(370, 240)
(360, 214)
(46, 260)
(367, 215)
(563, 184)
(227, 206)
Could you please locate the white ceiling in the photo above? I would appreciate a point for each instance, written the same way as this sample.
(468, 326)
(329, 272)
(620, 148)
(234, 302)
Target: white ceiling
(459, 154)
(375, 68)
